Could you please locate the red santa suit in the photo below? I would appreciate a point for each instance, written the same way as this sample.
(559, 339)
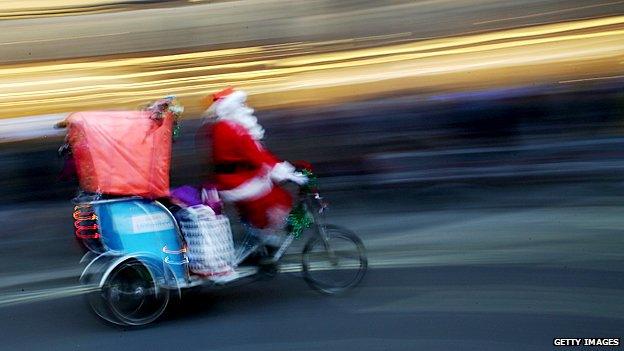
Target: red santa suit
(245, 172)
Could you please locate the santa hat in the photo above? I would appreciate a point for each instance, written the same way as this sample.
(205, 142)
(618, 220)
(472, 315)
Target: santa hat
(224, 103)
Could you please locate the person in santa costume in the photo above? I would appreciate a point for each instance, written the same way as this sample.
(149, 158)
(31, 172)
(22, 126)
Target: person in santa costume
(245, 173)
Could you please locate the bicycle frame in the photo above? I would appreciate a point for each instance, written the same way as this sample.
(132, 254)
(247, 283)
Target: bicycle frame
(315, 206)
(319, 222)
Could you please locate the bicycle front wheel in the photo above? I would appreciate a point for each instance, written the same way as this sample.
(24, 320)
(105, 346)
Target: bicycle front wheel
(336, 265)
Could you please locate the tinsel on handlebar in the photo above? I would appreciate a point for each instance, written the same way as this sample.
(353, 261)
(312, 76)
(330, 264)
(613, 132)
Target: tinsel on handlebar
(300, 218)
(311, 186)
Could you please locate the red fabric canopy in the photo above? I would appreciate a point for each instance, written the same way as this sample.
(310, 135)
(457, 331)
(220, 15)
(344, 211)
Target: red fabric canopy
(122, 152)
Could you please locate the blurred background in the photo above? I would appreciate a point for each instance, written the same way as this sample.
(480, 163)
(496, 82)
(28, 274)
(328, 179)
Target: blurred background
(477, 147)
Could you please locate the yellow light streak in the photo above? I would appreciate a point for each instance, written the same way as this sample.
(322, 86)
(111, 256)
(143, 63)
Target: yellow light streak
(297, 67)
(138, 61)
(242, 76)
(461, 41)
(134, 75)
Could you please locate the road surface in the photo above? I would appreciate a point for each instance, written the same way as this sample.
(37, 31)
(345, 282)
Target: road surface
(452, 267)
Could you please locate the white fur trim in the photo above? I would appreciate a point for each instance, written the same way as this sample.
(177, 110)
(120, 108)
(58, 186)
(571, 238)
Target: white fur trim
(250, 190)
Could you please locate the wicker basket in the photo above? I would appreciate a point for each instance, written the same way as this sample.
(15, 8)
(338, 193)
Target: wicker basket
(209, 239)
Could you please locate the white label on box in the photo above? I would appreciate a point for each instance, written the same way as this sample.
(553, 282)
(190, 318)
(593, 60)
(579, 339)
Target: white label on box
(151, 223)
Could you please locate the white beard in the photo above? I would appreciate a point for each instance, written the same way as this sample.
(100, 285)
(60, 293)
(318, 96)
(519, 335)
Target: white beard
(233, 109)
(244, 117)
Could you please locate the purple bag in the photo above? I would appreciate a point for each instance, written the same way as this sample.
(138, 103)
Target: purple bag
(187, 194)
(193, 196)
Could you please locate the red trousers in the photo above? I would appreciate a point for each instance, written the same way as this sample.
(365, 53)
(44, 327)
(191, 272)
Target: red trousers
(269, 211)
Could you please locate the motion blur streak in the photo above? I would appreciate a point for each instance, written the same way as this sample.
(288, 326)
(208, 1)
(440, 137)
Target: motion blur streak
(296, 67)
(49, 8)
(476, 147)
(552, 12)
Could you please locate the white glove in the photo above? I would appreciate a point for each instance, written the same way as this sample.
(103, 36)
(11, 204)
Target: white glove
(282, 171)
(299, 178)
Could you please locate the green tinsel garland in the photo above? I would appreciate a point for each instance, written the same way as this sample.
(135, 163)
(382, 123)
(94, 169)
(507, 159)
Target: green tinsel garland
(312, 181)
(299, 219)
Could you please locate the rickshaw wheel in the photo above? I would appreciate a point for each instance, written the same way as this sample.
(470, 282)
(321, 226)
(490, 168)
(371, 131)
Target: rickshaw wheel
(130, 296)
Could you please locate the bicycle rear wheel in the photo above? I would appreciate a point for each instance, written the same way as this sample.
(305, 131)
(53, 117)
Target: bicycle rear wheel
(130, 296)
(336, 267)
